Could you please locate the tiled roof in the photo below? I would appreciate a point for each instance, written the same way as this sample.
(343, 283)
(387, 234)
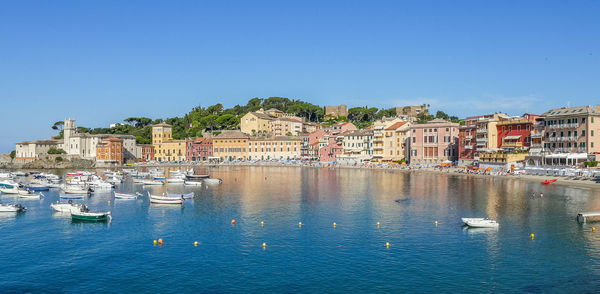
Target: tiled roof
(232, 134)
(571, 111)
(395, 126)
(162, 124)
(358, 133)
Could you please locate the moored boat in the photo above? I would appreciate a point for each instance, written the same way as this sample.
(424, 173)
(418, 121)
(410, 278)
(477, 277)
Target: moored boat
(165, 200)
(482, 223)
(126, 196)
(467, 219)
(72, 196)
(90, 216)
(28, 194)
(175, 181)
(192, 183)
(152, 182)
(9, 190)
(213, 181)
(69, 207)
(184, 196)
(76, 189)
(37, 187)
(12, 208)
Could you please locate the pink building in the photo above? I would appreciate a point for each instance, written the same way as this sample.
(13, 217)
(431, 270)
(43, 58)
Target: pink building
(199, 149)
(434, 142)
(328, 152)
(309, 141)
(341, 127)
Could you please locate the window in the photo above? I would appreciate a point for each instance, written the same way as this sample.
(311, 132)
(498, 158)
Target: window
(583, 120)
(583, 133)
(592, 132)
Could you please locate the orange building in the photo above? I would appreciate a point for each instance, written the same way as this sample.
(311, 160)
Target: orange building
(110, 150)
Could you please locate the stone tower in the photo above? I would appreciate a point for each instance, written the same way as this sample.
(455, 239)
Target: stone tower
(68, 131)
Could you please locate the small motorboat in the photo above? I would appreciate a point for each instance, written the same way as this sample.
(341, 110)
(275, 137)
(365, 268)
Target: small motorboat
(127, 196)
(159, 178)
(72, 196)
(548, 182)
(69, 207)
(90, 216)
(482, 223)
(467, 219)
(175, 181)
(12, 208)
(192, 183)
(184, 196)
(152, 182)
(213, 181)
(29, 194)
(76, 189)
(165, 200)
(9, 190)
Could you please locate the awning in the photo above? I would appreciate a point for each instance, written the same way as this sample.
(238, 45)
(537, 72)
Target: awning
(512, 137)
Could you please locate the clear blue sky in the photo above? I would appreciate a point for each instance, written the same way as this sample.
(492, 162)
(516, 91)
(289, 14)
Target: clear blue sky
(102, 61)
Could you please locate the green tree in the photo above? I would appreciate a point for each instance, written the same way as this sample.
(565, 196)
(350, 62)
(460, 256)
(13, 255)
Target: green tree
(442, 115)
(13, 154)
(54, 150)
(58, 125)
(227, 122)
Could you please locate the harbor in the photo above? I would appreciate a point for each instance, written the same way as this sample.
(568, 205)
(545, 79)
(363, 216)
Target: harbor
(307, 230)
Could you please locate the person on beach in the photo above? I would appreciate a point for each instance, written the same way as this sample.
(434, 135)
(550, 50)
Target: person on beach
(533, 195)
(541, 195)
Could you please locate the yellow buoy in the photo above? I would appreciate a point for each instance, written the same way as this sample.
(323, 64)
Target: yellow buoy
(334, 225)
(532, 236)
(593, 229)
(154, 242)
(387, 244)
(108, 202)
(264, 245)
(262, 224)
(299, 224)
(196, 243)
(378, 224)
(57, 202)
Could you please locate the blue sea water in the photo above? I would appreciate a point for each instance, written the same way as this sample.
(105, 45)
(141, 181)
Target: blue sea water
(43, 251)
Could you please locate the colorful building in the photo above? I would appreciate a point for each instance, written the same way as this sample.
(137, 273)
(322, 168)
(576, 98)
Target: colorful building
(147, 152)
(231, 145)
(394, 141)
(309, 144)
(280, 148)
(330, 147)
(165, 148)
(110, 150)
(284, 126)
(434, 142)
(467, 135)
(487, 133)
(515, 133)
(199, 149)
(380, 150)
(357, 146)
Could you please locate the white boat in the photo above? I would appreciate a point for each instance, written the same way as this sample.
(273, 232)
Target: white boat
(213, 181)
(165, 200)
(75, 189)
(192, 183)
(152, 182)
(175, 181)
(29, 194)
(72, 196)
(126, 196)
(184, 196)
(138, 181)
(12, 208)
(11, 190)
(482, 223)
(8, 184)
(467, 219)
(69, 207)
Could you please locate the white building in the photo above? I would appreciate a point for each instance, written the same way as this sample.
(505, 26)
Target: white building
(358, 146)
(84, 145)
(32, 150)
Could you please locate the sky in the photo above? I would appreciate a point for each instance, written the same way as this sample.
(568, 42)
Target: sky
(100, 62)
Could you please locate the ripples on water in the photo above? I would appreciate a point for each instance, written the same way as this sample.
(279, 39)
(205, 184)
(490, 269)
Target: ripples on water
(44, 251)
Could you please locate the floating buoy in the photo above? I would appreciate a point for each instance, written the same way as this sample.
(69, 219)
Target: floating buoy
(196, 243)
(264, 245)
(232, 222)
(262, 224)
(334, 225)
(593, 229)
(154, 242)
(436, 223)
(378, 224)
(387, 244)
(160, 242)
(532, 236)
(108, 202)
(57, 202)
(299, 224)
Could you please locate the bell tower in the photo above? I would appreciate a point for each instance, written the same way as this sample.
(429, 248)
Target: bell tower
(68, 131)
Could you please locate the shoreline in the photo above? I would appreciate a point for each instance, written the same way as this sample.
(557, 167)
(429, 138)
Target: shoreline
(560, 180)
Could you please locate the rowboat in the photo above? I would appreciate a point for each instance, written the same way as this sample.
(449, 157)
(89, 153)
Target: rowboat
(72, 196)
(165, 200)
(184, 196)
(90, 216)
(192, 183)
(482, 223)
(69, 207)
(126, 196)
(12, 208)
(213, 181)
(196, 177)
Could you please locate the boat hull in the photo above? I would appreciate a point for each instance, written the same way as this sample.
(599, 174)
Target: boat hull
(90, 217)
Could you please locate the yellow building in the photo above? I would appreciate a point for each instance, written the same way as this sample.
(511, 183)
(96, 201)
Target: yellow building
(231, 145)
(257, 122)
(380, 150)
(283, 147)
(395, 137)
(165, 148)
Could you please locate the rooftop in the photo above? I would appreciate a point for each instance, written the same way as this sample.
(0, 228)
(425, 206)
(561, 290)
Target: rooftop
(571, 111)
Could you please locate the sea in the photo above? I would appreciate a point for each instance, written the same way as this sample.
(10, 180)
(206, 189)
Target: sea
(394, 232)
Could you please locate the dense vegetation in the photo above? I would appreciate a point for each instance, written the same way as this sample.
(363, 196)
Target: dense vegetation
(216, 117)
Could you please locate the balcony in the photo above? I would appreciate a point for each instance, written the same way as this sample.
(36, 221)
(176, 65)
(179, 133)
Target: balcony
(536, 135)
(481, 140)
(468, 146)
(512, 144)
(563, 126)
(481, 131)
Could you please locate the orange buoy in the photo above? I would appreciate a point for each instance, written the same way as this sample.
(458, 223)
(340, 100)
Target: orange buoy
(160, 242)
(232, 222)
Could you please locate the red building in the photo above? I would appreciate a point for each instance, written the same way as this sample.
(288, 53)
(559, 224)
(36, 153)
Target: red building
(199, 149)
(516, 133)
(147, 152)
(467, 140)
